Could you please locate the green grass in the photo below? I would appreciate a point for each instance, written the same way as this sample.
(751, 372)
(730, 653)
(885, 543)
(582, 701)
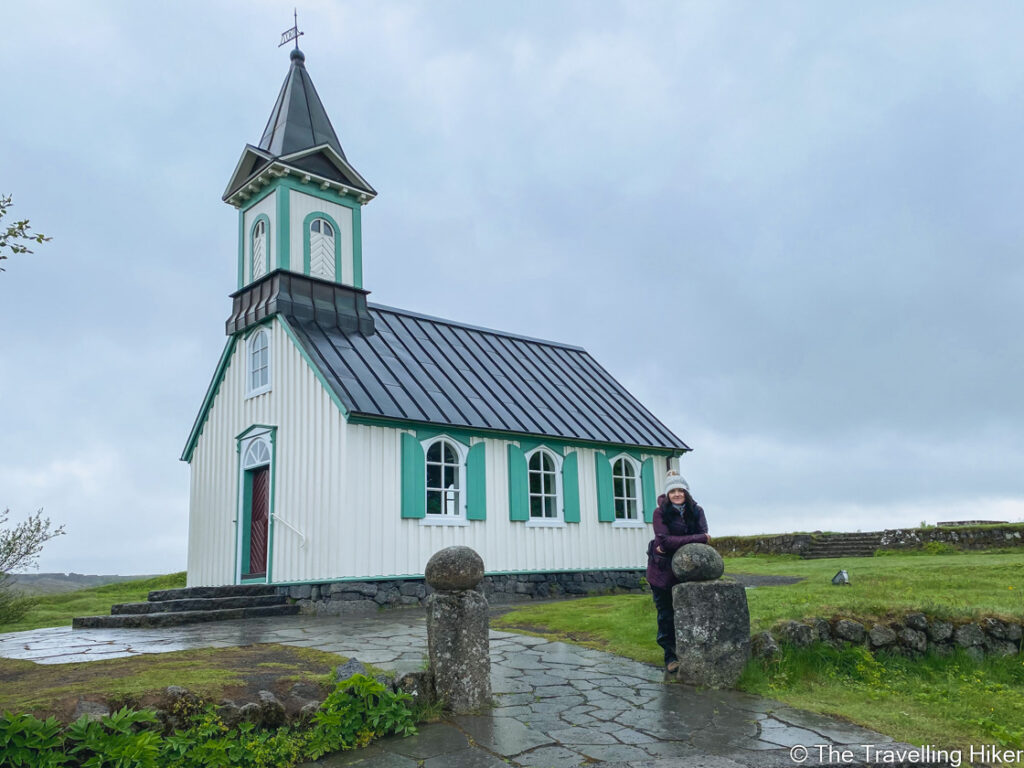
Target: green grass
(954, 586)
(939, 701)
(58, 610)
(47, 689)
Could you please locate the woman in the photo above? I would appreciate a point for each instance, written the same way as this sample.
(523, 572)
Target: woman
(678, 520)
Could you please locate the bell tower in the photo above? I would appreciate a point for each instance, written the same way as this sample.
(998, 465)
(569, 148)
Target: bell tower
(298, 197)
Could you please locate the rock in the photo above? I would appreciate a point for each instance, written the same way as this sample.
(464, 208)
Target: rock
(763, 646)
(272, 713)
(697, 562)
(851, 631)
(175, 692)
(349, 668)
(968, 636)
(940, 649)
(913, 640)
(419, 685)
(308, 711)
(712, 632)
(454, 568)
(1001, 647)
(91, 710)
(881, 636)
(1000, 630)
(975, 653)
(822, 629)
(796, 634)
(458, 644)
(940, 631)
(300, 592)
(250, 713)
(916, 621)
(230, 713)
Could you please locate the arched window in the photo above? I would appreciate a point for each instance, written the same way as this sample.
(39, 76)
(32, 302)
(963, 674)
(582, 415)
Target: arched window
(444, 479)
(321, 249)
(257, 454)
(259, 249)
(258, 363)
(625, 489)
(542, 474)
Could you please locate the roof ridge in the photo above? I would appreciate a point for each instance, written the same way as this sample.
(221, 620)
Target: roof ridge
(467, 326)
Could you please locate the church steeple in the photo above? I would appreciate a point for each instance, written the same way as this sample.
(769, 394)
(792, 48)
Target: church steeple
(299, 198)
(298, 120)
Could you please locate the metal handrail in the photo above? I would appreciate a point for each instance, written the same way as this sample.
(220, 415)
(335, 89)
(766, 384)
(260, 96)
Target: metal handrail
(303, 544)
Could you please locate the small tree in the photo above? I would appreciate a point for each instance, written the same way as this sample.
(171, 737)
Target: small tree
(14, 236)
(19, 549)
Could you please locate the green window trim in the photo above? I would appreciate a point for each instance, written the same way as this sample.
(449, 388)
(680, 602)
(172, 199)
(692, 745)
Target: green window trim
(476, 482)
(605, 495)
(571, 488)
(650, 492)
(414, 478)
(518, 482)
(284, 230)
(338, 274)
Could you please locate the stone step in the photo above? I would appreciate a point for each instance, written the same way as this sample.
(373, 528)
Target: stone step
(198, 604)
(171, 619)
(230, 590)
(809, 555)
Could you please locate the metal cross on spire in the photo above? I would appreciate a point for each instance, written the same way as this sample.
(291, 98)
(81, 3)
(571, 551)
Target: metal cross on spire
(292, 34)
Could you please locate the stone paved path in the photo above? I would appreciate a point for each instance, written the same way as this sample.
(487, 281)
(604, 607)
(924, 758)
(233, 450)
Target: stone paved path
(556, 705)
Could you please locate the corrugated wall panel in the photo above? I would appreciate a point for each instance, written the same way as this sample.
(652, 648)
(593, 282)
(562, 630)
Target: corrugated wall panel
(340, 486)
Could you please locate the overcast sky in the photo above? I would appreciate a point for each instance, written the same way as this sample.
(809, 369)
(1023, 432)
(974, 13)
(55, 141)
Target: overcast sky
(793, 230)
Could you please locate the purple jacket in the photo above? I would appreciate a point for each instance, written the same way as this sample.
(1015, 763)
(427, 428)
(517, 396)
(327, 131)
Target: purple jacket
(671, 531)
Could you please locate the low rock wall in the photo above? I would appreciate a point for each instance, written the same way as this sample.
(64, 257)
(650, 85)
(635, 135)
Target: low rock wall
(961, 537)
(361, 597)
(913, 634)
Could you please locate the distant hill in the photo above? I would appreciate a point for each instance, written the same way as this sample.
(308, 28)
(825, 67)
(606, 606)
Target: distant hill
(52, 583)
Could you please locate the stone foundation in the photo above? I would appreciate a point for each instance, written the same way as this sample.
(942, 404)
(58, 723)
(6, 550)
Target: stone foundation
(354, 598)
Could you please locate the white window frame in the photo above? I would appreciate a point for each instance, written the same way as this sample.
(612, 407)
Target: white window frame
(558, 521)
(250, 390)
(458, 517)
(638, 521)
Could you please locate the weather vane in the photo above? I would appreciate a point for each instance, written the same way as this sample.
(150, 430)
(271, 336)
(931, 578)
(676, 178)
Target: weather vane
(292, 34)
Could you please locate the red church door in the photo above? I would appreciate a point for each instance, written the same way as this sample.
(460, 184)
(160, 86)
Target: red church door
(259, 517)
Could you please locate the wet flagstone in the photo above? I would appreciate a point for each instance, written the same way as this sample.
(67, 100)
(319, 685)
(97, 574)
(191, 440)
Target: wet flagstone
(556, 705)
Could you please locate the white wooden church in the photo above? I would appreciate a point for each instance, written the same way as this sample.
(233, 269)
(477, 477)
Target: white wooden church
(345, 440)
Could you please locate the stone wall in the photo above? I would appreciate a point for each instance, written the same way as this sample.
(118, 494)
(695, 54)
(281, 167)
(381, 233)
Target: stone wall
(966, 537)
(912, 634)
(961, 537)
(361, 597)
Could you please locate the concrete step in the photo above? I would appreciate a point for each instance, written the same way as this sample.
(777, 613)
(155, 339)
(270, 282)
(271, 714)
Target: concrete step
(231, 590)
(171, 619)
(198, 604)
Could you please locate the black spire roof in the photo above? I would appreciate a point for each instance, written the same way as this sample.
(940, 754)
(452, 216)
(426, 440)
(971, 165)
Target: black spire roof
(298, 120)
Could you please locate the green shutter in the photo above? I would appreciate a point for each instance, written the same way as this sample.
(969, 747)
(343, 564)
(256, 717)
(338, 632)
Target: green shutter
(650, 492)
(414, 478)
(476, 481)
(605, 499)
(518, 499)
(571, 487)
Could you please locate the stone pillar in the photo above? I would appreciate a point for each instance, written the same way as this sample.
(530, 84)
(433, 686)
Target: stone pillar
(712, 619)
(457, 630)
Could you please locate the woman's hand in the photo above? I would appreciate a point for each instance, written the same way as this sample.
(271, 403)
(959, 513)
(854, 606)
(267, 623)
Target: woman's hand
(659, 550)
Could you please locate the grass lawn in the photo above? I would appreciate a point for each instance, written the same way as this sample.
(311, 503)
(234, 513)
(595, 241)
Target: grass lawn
(58, 610)
(45, 689)
(948, 702)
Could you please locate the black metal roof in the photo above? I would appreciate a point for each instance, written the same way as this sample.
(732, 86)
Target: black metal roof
(425, 369)
(298, 120)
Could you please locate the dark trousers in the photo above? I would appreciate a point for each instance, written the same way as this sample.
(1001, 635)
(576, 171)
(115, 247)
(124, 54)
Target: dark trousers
(666, 622)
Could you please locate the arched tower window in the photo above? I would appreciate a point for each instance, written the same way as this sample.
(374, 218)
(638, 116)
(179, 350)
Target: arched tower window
(321, 249)
(259, 249)
(258, 363)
